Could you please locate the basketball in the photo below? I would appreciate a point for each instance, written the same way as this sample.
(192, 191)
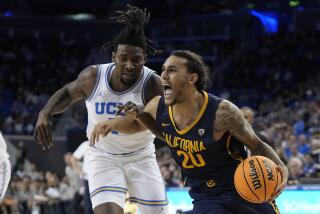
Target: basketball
(256, 178)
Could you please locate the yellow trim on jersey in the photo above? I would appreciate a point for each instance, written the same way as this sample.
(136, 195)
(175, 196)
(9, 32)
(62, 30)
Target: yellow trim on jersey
(275, 207)
(234, 156)
(188, 128)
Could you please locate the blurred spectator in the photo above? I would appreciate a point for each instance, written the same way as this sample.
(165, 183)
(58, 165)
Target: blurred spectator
(249, 116)
(303, 144)
(295, 167)
(310, 167)
(288, 145)
(34, 174)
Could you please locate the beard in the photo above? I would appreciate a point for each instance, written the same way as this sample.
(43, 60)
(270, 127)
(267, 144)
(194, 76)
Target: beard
(127, 82)
(171, 102)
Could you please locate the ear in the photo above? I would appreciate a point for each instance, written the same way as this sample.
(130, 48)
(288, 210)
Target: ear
(113, 56)
(193, 78)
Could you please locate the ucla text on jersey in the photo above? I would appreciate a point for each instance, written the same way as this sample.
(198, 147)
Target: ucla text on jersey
(107, 108)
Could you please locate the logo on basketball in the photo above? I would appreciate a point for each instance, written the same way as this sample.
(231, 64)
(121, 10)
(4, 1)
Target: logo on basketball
(254, 175)
(269, 170)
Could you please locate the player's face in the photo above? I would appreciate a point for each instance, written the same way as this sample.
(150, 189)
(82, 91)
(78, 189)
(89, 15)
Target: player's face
(174, 79)
(129, 61)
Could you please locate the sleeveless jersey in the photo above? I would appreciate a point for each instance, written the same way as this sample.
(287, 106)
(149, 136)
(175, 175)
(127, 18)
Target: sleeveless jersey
(102, 106)
(207, 165)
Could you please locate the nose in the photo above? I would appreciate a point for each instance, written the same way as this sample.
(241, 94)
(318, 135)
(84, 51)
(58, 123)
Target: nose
(129, 65)
(164, 75)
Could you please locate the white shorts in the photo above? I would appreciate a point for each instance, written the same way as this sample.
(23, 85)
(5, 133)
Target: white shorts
(112, 176)
(5, 175)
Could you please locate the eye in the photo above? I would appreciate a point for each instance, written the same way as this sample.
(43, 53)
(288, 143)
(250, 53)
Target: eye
(137, 60)
(171, 70)
(122, 58)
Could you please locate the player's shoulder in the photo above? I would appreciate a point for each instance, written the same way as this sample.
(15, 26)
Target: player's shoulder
(152, 85)
(89, 71)
(151, 75)
(226, 105)
(149, 70)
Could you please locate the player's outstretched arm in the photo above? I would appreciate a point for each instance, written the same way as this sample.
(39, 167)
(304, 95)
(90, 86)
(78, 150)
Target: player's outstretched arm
(125, 125)
(62, 99)
(136, 120)
(229, 118)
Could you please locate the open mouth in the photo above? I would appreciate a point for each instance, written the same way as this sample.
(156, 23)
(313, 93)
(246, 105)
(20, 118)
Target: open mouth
(167, 90)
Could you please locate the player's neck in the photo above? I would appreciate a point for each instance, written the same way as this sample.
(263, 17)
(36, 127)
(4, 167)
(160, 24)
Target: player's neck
(190, 106)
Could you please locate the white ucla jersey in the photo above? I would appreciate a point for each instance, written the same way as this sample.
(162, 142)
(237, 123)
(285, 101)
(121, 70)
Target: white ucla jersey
(102, 106)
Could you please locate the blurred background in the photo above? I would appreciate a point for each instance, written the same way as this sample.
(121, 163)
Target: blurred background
(262, 54)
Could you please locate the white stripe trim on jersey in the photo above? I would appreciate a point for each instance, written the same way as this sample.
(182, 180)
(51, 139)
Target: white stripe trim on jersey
(96, 84)
(143, 86)
(123, 92)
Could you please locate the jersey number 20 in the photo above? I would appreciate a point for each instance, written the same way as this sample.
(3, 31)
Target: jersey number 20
(189, 160)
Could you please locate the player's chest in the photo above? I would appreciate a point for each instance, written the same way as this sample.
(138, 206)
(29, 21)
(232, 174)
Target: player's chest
(107, 104)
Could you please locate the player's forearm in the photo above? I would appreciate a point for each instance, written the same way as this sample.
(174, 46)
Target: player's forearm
(149, 122)
(126, 125)
(265, 150)
(58, 103)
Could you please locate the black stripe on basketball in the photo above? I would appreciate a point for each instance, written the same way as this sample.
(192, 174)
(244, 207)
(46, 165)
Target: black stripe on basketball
(244, 175)
(264, 180)
(276, 182)
(245, 197)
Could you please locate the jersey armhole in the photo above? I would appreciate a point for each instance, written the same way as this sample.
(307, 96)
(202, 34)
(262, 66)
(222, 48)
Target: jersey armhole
(143, 96)
(96, 84)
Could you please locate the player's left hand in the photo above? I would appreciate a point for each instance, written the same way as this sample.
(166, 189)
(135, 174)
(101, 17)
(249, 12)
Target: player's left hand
(102, 128)
(284, 176)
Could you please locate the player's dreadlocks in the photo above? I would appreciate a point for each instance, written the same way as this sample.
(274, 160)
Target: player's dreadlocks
(134, 20)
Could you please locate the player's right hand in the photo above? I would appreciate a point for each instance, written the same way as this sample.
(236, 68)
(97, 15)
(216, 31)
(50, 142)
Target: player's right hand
(42, 131)
(102, 128)
(130, 109)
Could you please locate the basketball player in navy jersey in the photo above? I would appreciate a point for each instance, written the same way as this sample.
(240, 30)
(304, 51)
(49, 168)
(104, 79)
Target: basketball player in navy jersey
(119, 163)
(197, 127)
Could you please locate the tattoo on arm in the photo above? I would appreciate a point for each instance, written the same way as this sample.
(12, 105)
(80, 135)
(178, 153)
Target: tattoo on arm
(229, 118)
(265, 150)
(223, 117)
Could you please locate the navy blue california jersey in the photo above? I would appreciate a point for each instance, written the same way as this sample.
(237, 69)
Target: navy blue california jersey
(205, 163)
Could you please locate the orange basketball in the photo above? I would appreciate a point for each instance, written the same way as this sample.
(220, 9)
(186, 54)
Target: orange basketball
(256, 178)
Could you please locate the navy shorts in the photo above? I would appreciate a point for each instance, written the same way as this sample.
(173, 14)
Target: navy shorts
(231, 203)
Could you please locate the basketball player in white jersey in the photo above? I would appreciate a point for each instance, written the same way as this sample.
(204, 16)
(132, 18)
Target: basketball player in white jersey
(5, 167)
(119, 163)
